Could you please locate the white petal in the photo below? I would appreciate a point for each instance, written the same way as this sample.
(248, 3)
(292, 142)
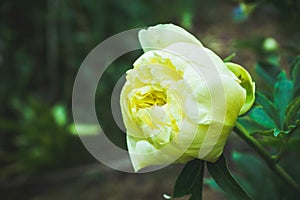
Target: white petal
(163, 35)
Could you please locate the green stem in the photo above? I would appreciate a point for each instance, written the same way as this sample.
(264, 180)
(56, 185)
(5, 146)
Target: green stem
(277, 169)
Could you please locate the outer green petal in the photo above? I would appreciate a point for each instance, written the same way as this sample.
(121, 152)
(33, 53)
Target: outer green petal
(163, 35)
(246, 83)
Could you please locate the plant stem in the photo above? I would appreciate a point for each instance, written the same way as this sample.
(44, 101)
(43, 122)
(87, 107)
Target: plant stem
(276, 168)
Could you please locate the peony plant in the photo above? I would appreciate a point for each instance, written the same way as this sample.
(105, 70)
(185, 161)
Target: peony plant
(181, 101)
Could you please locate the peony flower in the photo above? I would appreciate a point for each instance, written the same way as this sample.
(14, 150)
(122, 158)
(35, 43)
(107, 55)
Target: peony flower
(180, 101)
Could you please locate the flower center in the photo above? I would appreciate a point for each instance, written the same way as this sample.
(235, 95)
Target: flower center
(153, 110)
(145, 99)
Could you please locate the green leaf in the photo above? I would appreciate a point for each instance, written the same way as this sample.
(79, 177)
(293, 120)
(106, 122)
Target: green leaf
(197, 189)
(293, 111)
(283, 93)
(258, 115)
(268, 132)
(265, 133)
(220, 172)
(229, 58)
(257, 119)
(250, 125)
(295, 72)
(267, 106)
(278, 131)
(190, 180)
(270, 140)
(290, 129)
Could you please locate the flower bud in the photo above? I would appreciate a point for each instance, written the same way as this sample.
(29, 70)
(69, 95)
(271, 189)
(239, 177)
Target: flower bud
(180, 101)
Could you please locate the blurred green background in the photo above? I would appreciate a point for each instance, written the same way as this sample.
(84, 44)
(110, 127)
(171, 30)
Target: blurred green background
(43, 43)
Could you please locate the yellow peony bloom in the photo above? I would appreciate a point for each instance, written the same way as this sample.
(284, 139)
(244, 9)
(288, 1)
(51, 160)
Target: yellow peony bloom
(180, 101)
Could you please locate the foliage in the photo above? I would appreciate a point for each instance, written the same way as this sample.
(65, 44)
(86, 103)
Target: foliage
(225, 181)
(276, 113)
(190, 180)
(40, 146)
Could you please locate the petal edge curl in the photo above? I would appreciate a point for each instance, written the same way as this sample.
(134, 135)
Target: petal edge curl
(246, 82)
